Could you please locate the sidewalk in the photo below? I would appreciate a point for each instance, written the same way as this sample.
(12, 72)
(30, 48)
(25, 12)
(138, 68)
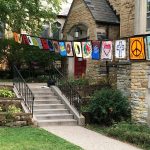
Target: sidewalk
(87, 139)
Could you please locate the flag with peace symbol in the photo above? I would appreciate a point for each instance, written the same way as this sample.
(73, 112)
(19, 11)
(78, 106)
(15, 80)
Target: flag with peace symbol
(120, 49)
(69, 49)
(86, 49)
(63, 51)
(137, 49)
(148, 47)
(106, 50)
(96, 50)
(77, 49)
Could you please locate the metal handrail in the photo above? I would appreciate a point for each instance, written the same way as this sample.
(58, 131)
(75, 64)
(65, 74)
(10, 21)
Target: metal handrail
(67, 89)
(23, 89)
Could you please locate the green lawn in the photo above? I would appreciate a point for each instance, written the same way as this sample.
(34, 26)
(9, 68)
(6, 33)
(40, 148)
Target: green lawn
(138, 135)
(28, 138)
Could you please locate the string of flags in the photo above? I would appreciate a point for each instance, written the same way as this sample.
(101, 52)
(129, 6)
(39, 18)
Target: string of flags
(139, 47)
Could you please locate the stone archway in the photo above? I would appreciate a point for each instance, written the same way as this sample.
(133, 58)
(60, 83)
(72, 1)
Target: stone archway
(72, 63)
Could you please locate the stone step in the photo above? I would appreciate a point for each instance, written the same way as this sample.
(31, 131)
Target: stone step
(44, 93)
(49, 106)
(54, 116)
(62, 122)
(53, 101)
(45, 97)
(50, 111)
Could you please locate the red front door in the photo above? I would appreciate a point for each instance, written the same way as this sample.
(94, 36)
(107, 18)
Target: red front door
(79, 67)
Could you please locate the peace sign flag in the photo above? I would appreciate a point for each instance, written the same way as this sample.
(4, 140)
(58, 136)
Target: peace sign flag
(137, 51)
(77, 49)
(86, 49)
(120, 49)
(106, 50)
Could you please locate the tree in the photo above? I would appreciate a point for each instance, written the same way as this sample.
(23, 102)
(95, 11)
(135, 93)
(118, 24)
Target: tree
(28, 15)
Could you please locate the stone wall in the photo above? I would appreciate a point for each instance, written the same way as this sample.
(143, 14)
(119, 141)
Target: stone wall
(139, 87)
(80, 14)
(115, 5)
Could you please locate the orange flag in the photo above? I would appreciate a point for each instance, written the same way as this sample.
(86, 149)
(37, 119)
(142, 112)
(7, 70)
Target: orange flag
(137, 49)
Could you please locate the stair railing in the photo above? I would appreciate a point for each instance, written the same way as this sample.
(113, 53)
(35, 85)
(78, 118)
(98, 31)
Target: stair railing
(66, 88)
(23, 89)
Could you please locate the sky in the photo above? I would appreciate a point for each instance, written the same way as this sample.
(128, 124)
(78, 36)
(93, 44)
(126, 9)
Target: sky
(65, 7)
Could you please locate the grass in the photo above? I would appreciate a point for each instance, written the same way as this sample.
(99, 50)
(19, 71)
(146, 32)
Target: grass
(138, 135)
(28, 138)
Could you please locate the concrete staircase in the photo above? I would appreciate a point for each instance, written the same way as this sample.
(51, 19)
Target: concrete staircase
(49, 110)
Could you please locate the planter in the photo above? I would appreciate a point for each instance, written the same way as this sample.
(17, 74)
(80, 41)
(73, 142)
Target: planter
(87, 116)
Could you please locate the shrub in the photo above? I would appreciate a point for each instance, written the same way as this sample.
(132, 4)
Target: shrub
(108, 106)
(13, 109)
(6, 93)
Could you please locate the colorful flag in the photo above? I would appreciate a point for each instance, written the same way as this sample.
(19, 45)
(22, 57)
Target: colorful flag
(25, 39)
(35, 42)
(96, 50)
(106, 50)
(63, 51)
(51, 47)
(120, 49)
(69, 49)
(30, 40)
(17, 37)
(44, 44)
(77, 49)
(137, 50)
(87, 49)
(148, 47)
(39, 43)
(56, 46)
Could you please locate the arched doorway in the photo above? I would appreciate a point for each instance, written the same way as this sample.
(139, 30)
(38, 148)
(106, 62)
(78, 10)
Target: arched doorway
(76, 67)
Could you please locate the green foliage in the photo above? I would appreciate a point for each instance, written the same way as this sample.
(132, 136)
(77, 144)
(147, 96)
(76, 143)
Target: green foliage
(6, 93)
(78, 82)
(28, 138)
(24, 55)
(108, 106)
(128, 132)
(28, 15)
(13, 109)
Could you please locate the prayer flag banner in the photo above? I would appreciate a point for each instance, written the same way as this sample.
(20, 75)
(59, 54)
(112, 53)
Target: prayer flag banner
(63, 51)
(51, 46)
(148, 47)
(17, 37)
(77, 49)
(25, 39)
(56, 46)
(69, 49)
(106, 50)
(137, 51)
(44, 44)
(96, 50)
(87, 49)
(120, 49)
(30, 40)
(39, 43)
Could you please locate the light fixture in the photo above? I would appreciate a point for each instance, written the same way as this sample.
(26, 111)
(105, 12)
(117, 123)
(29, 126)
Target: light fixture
(77, 32)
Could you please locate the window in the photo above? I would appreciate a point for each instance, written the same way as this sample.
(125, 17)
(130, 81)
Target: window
(101, 36)
(148, 15)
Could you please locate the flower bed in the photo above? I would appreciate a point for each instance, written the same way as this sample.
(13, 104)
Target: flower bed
(11, 110)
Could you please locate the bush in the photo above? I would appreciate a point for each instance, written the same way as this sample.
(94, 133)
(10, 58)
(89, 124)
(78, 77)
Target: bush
(6, 93)
(108, 106)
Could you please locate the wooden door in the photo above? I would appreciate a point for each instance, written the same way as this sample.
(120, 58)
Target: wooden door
(79, 67)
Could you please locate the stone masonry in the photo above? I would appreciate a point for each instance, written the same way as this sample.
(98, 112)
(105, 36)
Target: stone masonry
(132, 79)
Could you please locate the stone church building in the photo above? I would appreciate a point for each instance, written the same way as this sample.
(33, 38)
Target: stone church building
(113, 19)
